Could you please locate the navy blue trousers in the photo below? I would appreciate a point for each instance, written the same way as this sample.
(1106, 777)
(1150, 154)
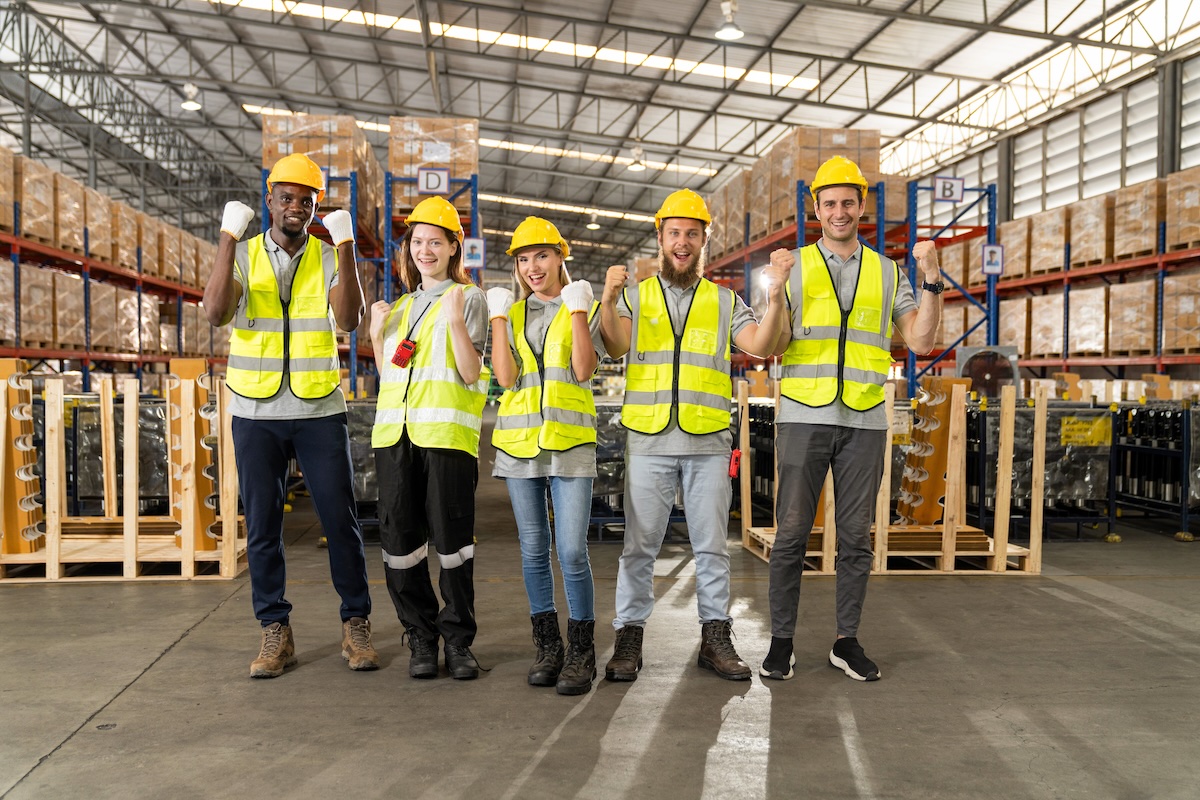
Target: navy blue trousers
(263, 449)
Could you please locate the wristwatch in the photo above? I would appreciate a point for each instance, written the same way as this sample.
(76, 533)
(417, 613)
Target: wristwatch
(933, 288)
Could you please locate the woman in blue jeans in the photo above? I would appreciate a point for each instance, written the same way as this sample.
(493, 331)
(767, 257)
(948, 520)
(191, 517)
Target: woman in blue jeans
(545, 348)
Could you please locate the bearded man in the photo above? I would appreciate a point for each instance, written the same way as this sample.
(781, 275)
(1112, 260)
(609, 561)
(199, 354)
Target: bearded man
(678, 395)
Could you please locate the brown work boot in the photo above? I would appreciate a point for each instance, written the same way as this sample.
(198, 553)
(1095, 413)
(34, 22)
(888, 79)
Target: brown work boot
(278, 651)
(579, 666)
(549, 659)
(717, 653)
(627, 655)
(356, 644)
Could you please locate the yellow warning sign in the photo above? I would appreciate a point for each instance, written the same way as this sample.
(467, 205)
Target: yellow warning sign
(902, 427)
(1086, 431)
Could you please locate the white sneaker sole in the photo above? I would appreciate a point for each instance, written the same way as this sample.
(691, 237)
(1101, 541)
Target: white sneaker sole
(841, 664)
(775, 675)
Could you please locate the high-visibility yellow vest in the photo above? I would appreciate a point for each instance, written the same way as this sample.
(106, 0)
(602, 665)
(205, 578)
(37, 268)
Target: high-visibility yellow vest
(547, 409)
(689, 373)
(427, 397)
(267, 338)
(838, 353)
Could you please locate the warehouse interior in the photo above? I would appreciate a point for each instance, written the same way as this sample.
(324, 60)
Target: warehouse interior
(1033, 545)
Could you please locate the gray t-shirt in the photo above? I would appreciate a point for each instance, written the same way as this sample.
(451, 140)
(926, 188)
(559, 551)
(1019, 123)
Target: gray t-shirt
(672, 441)
(474, 310)
(845, 273)
(578, 462)
(283, 404)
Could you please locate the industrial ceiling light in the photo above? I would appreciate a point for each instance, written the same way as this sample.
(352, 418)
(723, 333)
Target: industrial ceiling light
(592, 224)
(191, 94)
(729, 31)
(639, 159)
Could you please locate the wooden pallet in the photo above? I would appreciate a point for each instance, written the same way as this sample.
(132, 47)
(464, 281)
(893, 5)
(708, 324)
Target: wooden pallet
(1181, 351)
(31, 237)
(70, 248)
(1128, 256)
(1085, 353)
(1044, 270)
(38, 344)
(1091, 262)
(1171, 248)
(1134, 353)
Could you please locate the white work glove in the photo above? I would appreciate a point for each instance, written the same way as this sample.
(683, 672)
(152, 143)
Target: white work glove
(577, 297)
(499, 301)
(236, 218)
(340, 226)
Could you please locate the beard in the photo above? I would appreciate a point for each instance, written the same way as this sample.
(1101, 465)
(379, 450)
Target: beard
(684, 276)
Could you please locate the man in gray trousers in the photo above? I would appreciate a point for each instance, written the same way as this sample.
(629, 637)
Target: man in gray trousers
(845, 301)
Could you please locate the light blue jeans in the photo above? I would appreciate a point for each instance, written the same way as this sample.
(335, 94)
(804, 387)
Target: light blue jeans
(650, 484)
(572, 498)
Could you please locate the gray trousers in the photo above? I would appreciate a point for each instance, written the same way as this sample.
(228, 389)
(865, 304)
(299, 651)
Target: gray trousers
(805, 453)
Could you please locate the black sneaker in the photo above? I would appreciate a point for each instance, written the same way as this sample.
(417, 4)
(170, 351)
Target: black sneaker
(461, 663)
(779, 661)
(848, 656)
(424, 661)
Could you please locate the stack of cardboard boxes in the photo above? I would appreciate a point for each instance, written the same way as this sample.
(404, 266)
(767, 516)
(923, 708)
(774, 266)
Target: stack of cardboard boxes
(428, 142)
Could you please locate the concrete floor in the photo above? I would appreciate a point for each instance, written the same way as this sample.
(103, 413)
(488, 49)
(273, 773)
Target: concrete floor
(1079, 683)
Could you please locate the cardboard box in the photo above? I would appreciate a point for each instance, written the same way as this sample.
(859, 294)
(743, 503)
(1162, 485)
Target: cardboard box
(1088, 333)
(97, 212)
(1132, 318)
(1183, 209)
(1138, 212)
(170, 252)
(758, 200)
(1181, 312)
(37, 306)
(8, 305)
(973, 256)
(1091, 226)
(70, 331)
(125, 233)
(1014, 235)
(952, 259)
(8, 189)
(737, 191)
(444, 143)
(1014, 324)
(1046, 325)
(103, 299)
(127, 321)
(950, 328)
(34, 183)
(149, 234)
(68, 214)
(716, 230)
(1048, 240)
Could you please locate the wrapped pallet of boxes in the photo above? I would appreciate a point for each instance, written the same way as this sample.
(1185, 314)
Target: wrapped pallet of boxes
(368, 278)
(97, 212)
(1014, 324)
(950, 326)
(170, 252)
(736, 192)
(1088, 332)
(895, 200)
(8, 305)
(128, 325)
(1046, 325)
(149, 236)
(69, 218)
(70, 332)
(1183, 209)
(952, 260)
(1091, 231)
(976, 336)
(8, 190)
(34, 184)
(1014, 236)
(758, 200)
(1132, 321)
(103, 300)
(1181, 312)
(1048, 240)
(782, 160)
(716, 229)
(37, 306)
(644, 267)
(125, 235)
(430, 142)
(168, 338)
(1138, 211)
(151, 336)
(815, 146)
(973, 256)
(188, 248)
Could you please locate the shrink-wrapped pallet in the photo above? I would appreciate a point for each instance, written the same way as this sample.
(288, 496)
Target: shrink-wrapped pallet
(1014, 235)
(188, 250)
(645, 267)
(1091, 230)
(716, 229)
(103, 300)
(429, 142)
(1048, 240)
(170, 252)
(68, 214)
(8, 305)
(1183, 209)
(736, 192)
(34, 183)
(1138, 211)
(97, 212)
(1046, 325)
(973, 256)
(1088, 332)
(149, 235)
(125, 235)
(37, 306)
(149, 321)
(1014, 324)
(69, 327)
(950, 326)
(128, 325)
(1132, 307)
(952, 261)
(782, 166)
(895, 200)
(168, 338)
(978, 336)
(8, 189)
(758, 200)
(1181, 312)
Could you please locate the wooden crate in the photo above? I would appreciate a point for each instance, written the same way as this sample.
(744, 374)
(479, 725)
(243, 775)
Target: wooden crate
(1132, 317)
(1138, 211)
(1091, 230)
(1183, 209)
(1088, 332)
(1014, 235)
(1048, 240)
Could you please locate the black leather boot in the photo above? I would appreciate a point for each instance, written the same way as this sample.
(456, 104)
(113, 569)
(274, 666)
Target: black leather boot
(549, 660)
(579, 667)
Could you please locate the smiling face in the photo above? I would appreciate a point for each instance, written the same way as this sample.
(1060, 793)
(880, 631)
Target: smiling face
(292, 208)
(539, 271)
(430, 249)
(839, 209)
(681, 254)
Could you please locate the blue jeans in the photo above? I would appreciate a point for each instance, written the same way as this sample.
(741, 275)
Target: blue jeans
(572, 499)
(650, 484)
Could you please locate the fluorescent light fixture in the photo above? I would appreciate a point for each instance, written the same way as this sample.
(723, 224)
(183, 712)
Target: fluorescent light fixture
(565, 207)
(729, 31)
(528, 43)
(191, 94)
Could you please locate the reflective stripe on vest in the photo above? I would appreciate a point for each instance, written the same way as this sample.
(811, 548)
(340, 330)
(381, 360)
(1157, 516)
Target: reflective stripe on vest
(547, 409)
(428, 397)
(689, 373)
(266, 338)
(834, 353)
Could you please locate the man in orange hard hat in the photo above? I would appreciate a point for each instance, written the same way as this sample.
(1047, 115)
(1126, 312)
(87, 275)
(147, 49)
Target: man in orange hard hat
(278, 288)
(846, 300)
(678, 328)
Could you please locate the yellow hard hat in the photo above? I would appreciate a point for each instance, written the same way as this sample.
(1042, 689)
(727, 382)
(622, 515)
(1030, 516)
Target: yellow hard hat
(838, 171)
(437, 211)
(298, 169)
(684, 203)
(534, 231)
